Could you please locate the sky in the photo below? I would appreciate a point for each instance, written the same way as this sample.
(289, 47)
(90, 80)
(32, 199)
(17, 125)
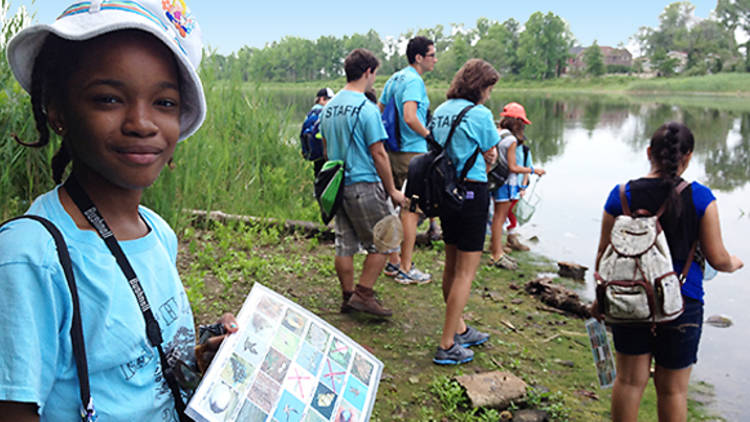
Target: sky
(228, 25)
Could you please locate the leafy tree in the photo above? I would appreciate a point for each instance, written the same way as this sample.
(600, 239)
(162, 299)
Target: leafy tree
(497, 44)
(673, 34)
(454, 56)
(329, 54)
(736, 14)
(663, 63)
(513, 28)
(711, 45)
(592, 56)
(543, 46)
(371, 41)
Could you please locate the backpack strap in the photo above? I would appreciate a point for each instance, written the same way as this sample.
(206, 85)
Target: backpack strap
(691, 255)
(351, 135)
(688, 262)
(470, 162)
(76, 329)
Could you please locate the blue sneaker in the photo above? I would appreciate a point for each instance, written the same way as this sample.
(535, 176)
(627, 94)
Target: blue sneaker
(472, 337)
(453, 356)
(391, 270)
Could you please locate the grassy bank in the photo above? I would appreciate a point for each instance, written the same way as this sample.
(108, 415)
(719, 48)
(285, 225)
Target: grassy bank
(548, 350)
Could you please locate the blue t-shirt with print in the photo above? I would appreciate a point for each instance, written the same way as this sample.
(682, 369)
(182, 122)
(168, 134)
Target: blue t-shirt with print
(349, 110)
(407, 85)
(702, 198)
(37, 363)
(477, 129)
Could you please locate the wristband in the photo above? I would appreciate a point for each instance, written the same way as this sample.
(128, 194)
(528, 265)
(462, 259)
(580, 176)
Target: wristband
(523, 187)
(532, 170)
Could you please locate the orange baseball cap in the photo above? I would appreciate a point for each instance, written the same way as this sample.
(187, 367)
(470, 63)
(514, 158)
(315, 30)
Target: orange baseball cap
(515, 110)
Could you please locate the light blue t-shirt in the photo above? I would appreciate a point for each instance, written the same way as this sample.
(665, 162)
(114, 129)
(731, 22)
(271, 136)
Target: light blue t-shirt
(520, 161)
(337, 120)
(477, 129)
(407, 85)
(37, 364)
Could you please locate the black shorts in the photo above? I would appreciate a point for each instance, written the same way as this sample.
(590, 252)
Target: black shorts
(467, 228)
(675, 345)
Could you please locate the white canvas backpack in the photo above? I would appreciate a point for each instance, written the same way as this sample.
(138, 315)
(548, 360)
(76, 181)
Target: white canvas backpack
(636, 282)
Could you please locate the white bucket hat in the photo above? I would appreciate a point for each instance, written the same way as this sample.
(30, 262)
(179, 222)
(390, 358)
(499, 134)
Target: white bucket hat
(168, 20)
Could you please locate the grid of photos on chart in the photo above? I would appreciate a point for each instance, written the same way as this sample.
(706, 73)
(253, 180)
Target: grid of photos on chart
(287, 365)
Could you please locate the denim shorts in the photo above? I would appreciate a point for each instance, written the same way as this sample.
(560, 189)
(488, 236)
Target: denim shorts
(466, 228)
(675, 344)
(506, 193)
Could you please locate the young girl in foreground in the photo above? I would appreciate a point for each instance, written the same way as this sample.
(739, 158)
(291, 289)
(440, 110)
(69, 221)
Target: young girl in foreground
(693, 215)
(464, 231)
(119, 85)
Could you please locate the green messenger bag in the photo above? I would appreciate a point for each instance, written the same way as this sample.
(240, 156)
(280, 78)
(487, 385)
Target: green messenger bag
(329, 188)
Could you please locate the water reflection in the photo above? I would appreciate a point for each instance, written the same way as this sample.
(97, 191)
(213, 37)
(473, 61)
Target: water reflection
(722, 137)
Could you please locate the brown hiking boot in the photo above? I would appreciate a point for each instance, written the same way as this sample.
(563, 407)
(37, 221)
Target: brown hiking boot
(364, 300)
(515, 243)
(345, 308)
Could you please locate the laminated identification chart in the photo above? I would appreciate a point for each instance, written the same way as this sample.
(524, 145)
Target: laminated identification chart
(603, 359)
(287, 365)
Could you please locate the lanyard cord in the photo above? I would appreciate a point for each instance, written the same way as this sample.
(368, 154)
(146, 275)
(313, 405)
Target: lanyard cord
(153, 332)
(351, 135)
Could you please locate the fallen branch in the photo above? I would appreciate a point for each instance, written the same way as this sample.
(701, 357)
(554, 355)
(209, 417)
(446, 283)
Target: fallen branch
(309, 229)
(557, 296)
(551, 338)
(548, 309)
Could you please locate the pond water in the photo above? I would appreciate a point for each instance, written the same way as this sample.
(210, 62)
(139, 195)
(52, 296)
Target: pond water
(587, 145)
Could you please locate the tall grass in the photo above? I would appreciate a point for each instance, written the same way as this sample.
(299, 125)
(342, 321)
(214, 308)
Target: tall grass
(244, 160)
(727, 83)
(24, 172)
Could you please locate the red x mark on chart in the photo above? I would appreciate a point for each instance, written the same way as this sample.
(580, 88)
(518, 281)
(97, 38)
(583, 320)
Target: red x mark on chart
(331, 375)
(299, 378)
(343, 348)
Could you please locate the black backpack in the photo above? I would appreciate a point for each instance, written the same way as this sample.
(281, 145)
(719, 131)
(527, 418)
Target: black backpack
(432, 181)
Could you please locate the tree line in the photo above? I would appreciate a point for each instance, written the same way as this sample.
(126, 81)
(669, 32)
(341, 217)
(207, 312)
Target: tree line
(539, 49)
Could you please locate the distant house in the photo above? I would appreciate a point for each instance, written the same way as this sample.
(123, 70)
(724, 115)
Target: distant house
(681, 60)
(610, 56)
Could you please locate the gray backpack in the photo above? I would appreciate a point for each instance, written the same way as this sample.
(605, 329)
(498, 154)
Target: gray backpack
(636, 282)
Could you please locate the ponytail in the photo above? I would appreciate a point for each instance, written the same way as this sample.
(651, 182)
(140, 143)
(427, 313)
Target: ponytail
(669, 145)
(59, 161)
